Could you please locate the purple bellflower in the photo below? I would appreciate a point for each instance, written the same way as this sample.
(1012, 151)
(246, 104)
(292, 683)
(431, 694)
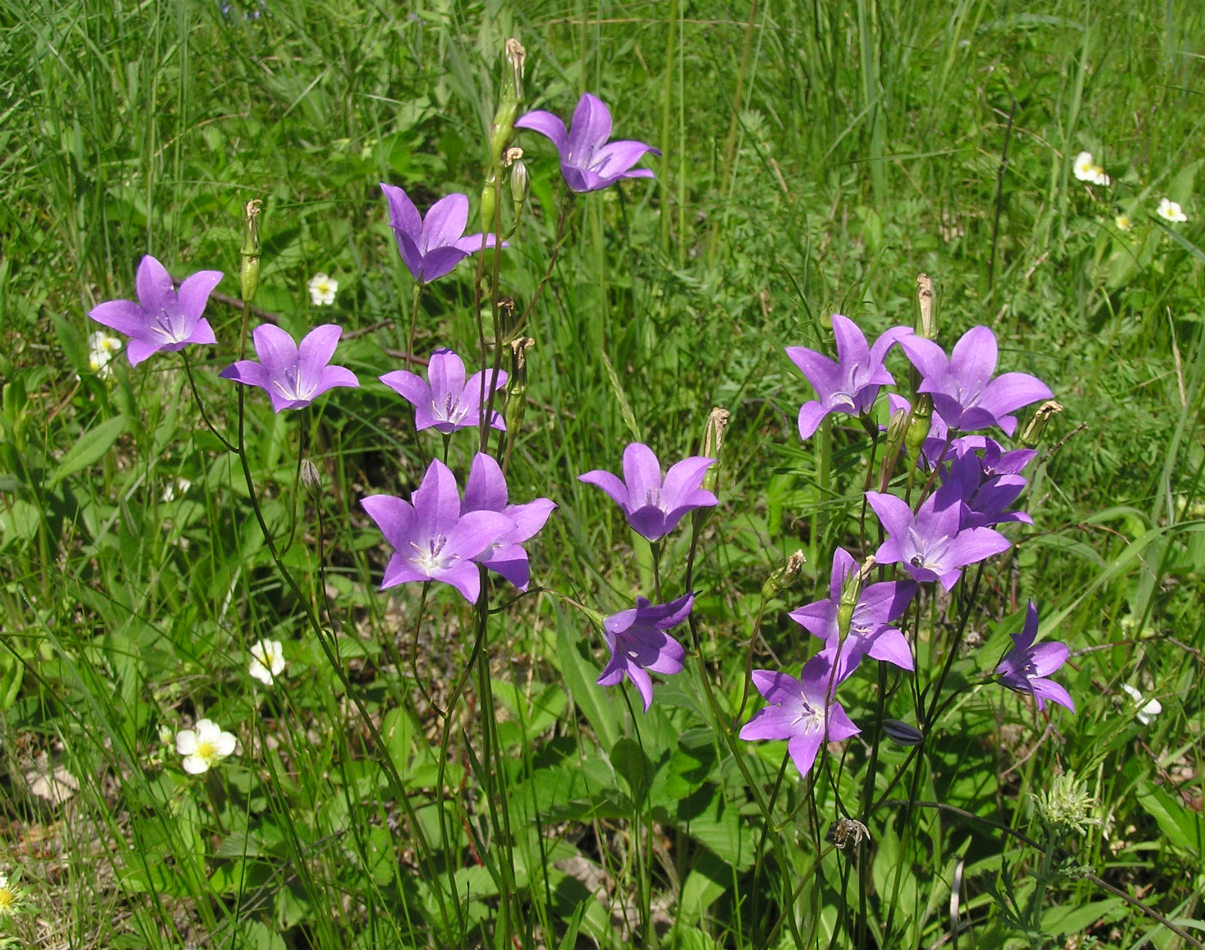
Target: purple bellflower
(639, 643)
(654, 507)
(870, 629)
(293, 375)
(1025, 667)
(486, 491)
(432, 246)
(432, 539)
(162, 319)
(989, 483)
(962, 386)
(588, 161)
(802, 711)
(445, 401)
(932, 545)
(851, 383)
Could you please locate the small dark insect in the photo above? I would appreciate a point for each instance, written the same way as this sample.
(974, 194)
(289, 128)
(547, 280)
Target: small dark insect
(844, 830)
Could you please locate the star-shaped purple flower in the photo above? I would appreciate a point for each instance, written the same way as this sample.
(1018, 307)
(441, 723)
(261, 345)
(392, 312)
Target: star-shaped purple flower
(588, 161)
(1025, 667)
(639, 643)
(852, 383)
(432, 539)
(654, 507)
(801, 711)
(162, 319)
(445, 401)
(432, 246)
(870, 629)
(486, 491)
(962, 386)
(292, 375)
(932, 545)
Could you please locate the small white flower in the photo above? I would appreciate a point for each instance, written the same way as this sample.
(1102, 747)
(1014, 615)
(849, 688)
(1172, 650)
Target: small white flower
(1099, 177)
(1170, 210)
(1145, 713)
(11, 896)
(267, 661)
(203, 746)
(322, 290)
(1123, 222)
(101, 349)
(1084, 167)
(179, 487)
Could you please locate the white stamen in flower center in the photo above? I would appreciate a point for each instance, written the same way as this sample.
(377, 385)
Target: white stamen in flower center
(289, 385)
(652, 498)
(430, 558)
(808, 714)
(165, 326)
(453, 410)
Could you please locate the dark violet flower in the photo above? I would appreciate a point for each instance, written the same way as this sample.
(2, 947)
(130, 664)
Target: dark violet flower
(850, 384)
(486, 491)
(432, 246)
(870, 629)
(445, 401)
(931, 545)
(432, 540)
(987, 482)
(588, 161)
(162, 319)
(639, 643)
(962, 386)
(1025, 667)
(654, 507)
(802, 711)
(293, 375)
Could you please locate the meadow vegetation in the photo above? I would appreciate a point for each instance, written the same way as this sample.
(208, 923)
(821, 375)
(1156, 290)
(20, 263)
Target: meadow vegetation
(409, 768)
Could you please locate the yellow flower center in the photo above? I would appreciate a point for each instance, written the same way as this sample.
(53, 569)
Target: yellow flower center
(207, 750)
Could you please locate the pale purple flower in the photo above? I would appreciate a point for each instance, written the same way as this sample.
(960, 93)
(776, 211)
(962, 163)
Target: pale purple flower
(654, 506)
(1025, 667)
(931, 544)
(802, 711)
(588, 161)
(432, 246)
(871, 631)
(432, 539)
(293, 375)
(851, 383)
(486, 491)
(445, 401)
(639, 643)
(962, 386)
(162, 319)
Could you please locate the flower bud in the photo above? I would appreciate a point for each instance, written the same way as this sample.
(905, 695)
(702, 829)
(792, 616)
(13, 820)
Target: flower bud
(783, 576)
(918, 428)
(901, 733)
(713, 445)
(924, 297)
(520, 183)
(516, 384)
(489, 203)
(311, 478)
(1037, 425)
(850, 592)
(249, 270)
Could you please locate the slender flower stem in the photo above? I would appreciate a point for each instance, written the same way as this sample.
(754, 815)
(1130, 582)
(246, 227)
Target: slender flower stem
(229, 446)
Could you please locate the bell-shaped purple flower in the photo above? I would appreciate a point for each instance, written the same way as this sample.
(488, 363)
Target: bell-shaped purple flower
(1025, 667)
(962, 386)
(432, 246)
(851, 383)
(639, 644)
(432, 539)
(654, 506)
(162, 319)
(293, 375)
(802, 711)
(989, 482)
(871, 631)
(486, 491)
(931, 544)
(588, 161)
(445, 401)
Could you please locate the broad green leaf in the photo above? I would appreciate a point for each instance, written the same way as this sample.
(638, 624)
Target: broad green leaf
(92, 446)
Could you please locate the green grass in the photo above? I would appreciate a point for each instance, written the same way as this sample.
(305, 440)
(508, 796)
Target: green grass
(816, 158)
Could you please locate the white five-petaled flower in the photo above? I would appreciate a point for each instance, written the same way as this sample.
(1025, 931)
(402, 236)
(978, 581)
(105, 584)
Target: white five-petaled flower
(1144, 712)
(203, 746)
(1087, 170)
(1171, 211)
(1123, 222)
(267, 661)
(322, 290)
(102, 347)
